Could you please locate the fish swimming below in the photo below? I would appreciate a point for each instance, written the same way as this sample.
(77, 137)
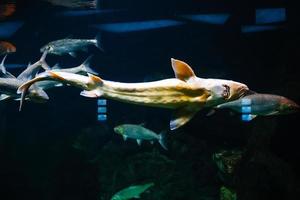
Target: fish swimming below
(70, 46)
(130, 192)
(261, 105)
(140, 133)
(186, 94)
(6, 48)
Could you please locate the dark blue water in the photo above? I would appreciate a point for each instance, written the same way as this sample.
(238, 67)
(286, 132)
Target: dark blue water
(59, 150)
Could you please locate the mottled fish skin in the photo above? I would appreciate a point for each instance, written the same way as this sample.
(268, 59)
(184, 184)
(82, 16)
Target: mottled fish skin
(131, 192)
(68, 46)
(263, 104)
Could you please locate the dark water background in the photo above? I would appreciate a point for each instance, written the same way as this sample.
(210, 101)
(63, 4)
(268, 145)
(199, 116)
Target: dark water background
(59, 150)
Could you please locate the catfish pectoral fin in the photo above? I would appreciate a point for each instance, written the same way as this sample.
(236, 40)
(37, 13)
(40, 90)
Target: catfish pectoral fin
(92, 93)
(182, 116)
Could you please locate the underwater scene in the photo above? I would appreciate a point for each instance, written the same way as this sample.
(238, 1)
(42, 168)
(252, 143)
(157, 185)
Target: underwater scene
(153, 100)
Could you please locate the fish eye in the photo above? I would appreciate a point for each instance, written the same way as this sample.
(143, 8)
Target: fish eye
(226, 92)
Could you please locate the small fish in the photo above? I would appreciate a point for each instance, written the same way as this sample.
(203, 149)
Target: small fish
(130, 192)
(140, 133)
(70, 46)
(261, 105)
(3, 72)
(6, 48)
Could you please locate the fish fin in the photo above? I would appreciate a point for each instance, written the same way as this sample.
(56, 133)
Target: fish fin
(248, 117)
(3, 69)
(86, 66)
(73, 54)
(55, 67)
(55, 76)
(162, 140)
(98, 43)
(249, 92)
(273, 113)
(7, 75)
(23, 89)
(42, 61)
(4, 97)
(95, 79)
(182, 70)
(182, 116)
(139, 142)
(211, 112)
(125, 137)
(58, 85)
(92, 93)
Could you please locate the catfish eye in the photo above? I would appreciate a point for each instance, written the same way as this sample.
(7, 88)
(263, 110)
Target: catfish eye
(226, 92)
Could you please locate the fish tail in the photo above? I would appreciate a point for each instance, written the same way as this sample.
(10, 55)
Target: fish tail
(98, 42)
(43, 62)
(162, 140)
(3, 69)
(23, 89)
(86, 66)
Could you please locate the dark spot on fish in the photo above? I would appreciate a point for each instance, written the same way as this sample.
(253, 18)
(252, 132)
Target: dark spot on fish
(226, 92)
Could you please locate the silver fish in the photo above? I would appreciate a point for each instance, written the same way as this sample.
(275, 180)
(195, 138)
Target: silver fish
(140, 133)
(261, 105)
(69, 46)
(9, 87)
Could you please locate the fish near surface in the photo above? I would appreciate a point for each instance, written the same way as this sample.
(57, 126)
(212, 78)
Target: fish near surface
(140, 133)
(186, 93)
(262, 105)
(130, 192)
(69, 46)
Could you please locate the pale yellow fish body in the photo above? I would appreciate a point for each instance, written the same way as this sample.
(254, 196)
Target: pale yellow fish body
(186, 93)
(168, 93)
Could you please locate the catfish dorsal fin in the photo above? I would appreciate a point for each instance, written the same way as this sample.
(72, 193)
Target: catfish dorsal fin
(95, 79)
(182, 70)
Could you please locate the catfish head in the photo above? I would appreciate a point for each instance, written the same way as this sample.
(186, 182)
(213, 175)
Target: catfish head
(221, 90)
